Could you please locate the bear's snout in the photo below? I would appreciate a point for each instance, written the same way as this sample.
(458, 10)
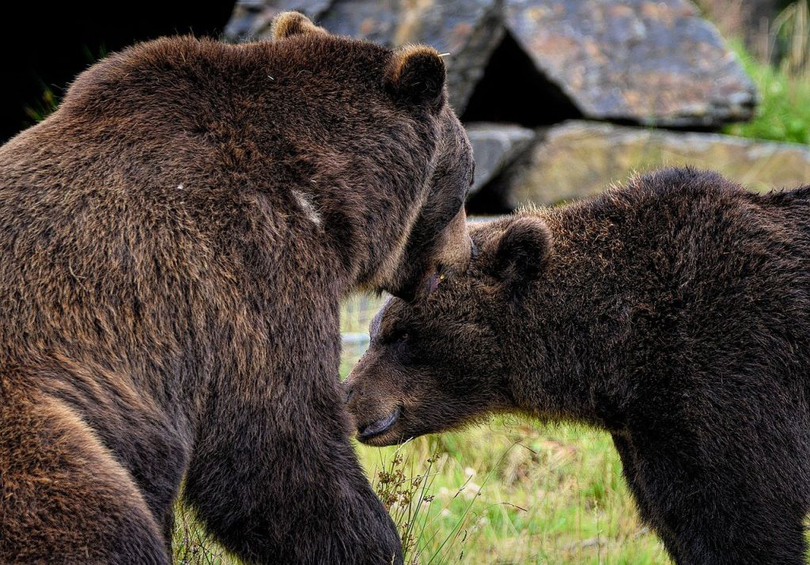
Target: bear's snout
(366, 432)
(374, 410)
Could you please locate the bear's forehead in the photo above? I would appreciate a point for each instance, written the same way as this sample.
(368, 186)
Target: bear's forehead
(384, 315)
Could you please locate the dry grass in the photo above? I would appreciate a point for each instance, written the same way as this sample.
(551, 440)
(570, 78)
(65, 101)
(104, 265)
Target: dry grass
(783, 40)
(508, 492)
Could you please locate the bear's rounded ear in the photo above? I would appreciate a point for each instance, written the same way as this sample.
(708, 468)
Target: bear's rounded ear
(522, 250)
(416, 74)
(287, 24)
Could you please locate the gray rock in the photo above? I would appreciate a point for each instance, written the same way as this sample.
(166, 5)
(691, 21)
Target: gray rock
(649, 62)
(495, 146)
(579, 159)
(466, 30)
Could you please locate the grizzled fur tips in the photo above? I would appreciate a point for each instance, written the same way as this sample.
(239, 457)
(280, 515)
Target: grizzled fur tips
(175, 241)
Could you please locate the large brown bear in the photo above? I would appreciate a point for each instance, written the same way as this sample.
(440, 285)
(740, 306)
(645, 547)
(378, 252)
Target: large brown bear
(174, 244)
(674, 313)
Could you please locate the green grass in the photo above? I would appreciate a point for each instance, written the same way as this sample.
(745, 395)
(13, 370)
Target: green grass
(191, 545)
(512, 492)
(784, 109)
(505, 492)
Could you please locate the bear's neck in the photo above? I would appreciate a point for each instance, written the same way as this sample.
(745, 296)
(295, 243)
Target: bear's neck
(579, 331)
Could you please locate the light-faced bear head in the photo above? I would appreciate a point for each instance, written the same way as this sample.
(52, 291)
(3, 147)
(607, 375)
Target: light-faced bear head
(437, 237)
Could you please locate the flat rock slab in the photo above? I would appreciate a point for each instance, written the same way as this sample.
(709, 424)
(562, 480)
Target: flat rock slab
(579, 159)
(495, 146)
(650, 62)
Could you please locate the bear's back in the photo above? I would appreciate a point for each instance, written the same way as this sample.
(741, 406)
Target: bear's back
(724, 271)
(160, 181)
(693, 252)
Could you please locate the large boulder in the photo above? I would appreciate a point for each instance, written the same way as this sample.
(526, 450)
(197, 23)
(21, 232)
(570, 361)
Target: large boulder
(579, 159)
(540, 61)
(650, 62)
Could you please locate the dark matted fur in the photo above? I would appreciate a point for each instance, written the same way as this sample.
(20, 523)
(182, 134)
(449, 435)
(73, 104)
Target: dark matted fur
(674, 313)
(174, 244)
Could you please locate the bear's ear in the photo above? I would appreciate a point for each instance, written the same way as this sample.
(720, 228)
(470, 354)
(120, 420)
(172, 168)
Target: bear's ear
(522, 251)
(416, 74)
(287, 24)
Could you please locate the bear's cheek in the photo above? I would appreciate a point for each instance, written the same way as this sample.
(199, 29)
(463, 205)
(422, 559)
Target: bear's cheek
(455, 246)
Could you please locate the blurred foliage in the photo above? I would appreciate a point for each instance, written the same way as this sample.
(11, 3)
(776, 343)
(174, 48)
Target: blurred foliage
(49, 100)
(789, 39)
(45, 106)
(783, 80)
(784, 109)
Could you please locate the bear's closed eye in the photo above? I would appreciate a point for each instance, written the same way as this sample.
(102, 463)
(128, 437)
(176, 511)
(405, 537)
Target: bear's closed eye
(398, 336)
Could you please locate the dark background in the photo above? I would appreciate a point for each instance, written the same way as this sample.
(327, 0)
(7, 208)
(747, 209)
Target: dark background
(44, 46)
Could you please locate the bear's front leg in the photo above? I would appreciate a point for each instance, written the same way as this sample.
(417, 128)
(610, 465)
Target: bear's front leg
(646, 508)
(710, 499)
(275, 478)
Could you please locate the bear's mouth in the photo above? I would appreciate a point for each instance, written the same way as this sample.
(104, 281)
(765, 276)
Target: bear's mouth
(379, 427)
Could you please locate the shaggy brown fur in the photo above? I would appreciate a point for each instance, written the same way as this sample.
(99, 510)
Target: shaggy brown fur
(174, 244)
(674, 313)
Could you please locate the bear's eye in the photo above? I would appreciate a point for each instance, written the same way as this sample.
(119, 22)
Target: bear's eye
(398, 336)
(436, 279)
(402, 348)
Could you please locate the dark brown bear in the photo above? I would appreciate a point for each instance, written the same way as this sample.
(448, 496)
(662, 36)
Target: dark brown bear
(674, 313)
(174, 244)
